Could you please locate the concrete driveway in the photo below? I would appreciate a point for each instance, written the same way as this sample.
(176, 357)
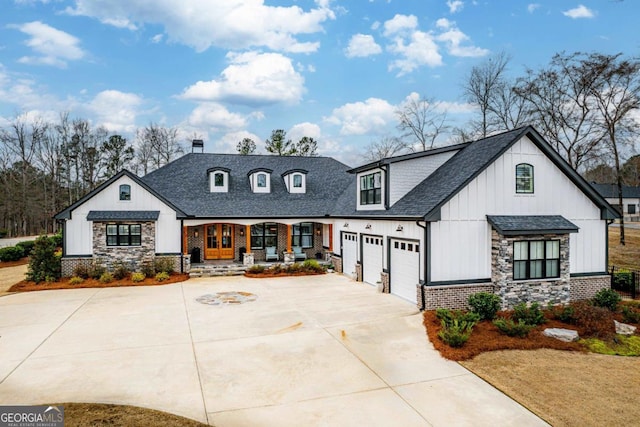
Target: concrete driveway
(320, 350)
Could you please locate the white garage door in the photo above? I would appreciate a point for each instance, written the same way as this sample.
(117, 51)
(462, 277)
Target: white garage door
(349, 253)
(371, 259)
(405, 268)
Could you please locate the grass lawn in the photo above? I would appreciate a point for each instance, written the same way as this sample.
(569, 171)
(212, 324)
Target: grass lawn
(627, 256)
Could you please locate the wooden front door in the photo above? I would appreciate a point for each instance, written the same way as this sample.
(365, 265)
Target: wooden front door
(218, 241)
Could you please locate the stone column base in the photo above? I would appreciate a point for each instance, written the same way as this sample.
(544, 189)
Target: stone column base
(289, 257)
(359, 272)
(247, 258)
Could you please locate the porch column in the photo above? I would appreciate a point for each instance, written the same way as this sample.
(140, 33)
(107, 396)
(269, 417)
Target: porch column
(185, 239)
(330, 237)
(288, 237)
(247, 234)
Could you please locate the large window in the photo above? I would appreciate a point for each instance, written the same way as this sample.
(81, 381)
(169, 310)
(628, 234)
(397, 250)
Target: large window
(264, 235)
(302, 235)
(125, 192)
(371, 189)
(536, 259)
(524, 178)
(124, 234)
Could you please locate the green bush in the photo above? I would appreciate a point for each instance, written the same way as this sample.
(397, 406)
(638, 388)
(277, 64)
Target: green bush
(75, 280)
(563, 313)
(457, 333)
(312, 265)
(607, 298)
(44, 264)
(56, 239)
(630, 315)
(164, 265)
(256, 269)
(82, 270)
(531, 315)
(11, 253)
(622, 280)
(96, 270)
(485, 304)
(120, 270)
(448, 316)
(513, 329)
(294, 268)
(106, 277)
(148, 269)
(3, 232)
(162, 276)
(137, 277)
(27, 246)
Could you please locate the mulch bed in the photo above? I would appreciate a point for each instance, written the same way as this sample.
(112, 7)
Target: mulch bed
(26, 286)
(486, 337)
(266, 273)
(22, 261)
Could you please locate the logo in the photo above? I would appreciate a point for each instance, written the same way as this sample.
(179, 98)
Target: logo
(31, 416)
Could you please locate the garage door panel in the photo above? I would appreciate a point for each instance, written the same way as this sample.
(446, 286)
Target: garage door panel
(372, 247)
(349, 253)
(405, 268)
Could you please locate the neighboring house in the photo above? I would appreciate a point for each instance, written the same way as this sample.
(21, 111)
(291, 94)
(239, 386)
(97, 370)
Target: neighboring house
(630, 199)
(503, 214)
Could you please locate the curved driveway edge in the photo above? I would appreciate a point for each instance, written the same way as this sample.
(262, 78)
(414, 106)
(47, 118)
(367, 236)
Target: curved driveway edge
(317, 350)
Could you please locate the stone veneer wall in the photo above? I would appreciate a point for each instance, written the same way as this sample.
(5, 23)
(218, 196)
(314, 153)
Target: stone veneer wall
(384, 278)
(449, 296)
(337, 263)
(543, 291)
(131, 256)
(359, 272)
(587, 287)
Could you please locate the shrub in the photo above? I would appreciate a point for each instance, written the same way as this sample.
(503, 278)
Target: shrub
(82, 270)
(56, 239)
(448, 316)
(563, 313)
(456, 333)
(27, 246)
(630, 315)
(513, 329)
(162, 276)
(595, 321)
(96, 270)
(256, 269)
(164, 265)
(607, 298)
(11, 253)
(312, 265)
(294, 268)
(485, 304)
(44, 264)
(138, 277)
(3, 232)
(622, 280)
(75, 280)
(529, 315)
(148, 269)
(120, 270)
(106, 277)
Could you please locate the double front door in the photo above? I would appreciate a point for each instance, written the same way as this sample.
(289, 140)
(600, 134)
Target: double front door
(218, 241)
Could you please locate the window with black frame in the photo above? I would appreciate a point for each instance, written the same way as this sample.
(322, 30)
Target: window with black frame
(264, 235)
(125, 192)
(302, 235)
(524, 178)
(371, 189)
(124, 235)
(536, 259)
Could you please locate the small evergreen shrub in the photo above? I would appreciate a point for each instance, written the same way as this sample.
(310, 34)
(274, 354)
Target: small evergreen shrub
(137, 277)
(312, 265)
(456, 333)
(27, 246)
(630, 315)
(485, 304)
(607, 298)
(563, 313)
(162, 276)
(75, 280)
(531, 315)
(96, 270)
(56, 239)
(82, 270)
(294, 268)
(148, 269)
(120, 270)
(513, 329)
(106, 277)
(622, 280)
(164, 265)
(448, 316)
(44, 265)
(11, 253)
(256, 269)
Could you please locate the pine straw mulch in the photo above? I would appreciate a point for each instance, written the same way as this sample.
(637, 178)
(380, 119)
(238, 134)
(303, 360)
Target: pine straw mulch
(22, 261)
(268, 273)
(26, 286)
(486, 337)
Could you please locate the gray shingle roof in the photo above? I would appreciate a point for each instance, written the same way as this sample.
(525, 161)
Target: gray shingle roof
(185, 183)
(123, 215)
(610, 191)
(512, 225)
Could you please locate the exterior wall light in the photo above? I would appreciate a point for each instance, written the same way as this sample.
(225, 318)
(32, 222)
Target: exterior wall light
(400, 228)
(368, 226)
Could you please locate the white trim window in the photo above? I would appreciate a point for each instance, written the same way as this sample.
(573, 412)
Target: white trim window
(371, 189)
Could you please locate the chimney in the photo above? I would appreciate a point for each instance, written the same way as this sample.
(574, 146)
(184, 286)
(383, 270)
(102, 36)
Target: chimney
(197, 143)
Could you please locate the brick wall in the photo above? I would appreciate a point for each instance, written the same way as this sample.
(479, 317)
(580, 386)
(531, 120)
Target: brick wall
(587, 287)
(70, 264)
(450, 296)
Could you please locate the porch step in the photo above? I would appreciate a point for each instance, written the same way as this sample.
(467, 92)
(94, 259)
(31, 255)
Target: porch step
(217, 270)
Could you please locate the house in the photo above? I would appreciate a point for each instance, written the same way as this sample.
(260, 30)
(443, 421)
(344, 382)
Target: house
(630, 199)
(503, 214)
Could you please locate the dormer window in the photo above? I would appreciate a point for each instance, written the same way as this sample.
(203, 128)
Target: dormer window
(371, 189)
(524, 178)
(125, 192)
(260, 180)
(218, 180)
(295, 180)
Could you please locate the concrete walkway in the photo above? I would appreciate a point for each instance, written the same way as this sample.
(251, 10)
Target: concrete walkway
(9, 276)
(320, 350)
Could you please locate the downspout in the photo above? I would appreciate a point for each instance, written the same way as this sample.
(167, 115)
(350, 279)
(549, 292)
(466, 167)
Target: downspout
(181, 246)
(606, 244)
(385, 168)
(427, 266)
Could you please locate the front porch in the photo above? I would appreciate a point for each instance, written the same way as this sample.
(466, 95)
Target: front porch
(248, 242)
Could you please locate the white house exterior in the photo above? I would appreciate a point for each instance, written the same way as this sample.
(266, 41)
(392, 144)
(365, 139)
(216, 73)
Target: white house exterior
(630, 207)
(504, 214)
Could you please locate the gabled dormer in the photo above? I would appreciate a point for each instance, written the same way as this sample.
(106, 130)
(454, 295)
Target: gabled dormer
(260, 180)
(295, 180)
(371, 189)
(218, 179)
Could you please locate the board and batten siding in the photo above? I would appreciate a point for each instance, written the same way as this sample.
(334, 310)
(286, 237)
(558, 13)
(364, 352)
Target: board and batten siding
(405, 175)
(461, 240)
(79, 234)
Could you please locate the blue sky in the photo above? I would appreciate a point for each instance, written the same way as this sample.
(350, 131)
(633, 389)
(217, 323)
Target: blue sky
(227, 69)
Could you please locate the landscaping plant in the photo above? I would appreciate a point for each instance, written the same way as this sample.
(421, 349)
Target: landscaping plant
(630, 314)
(11, 253)
(106, 277)
(531, 315)
(607, 298)
(485, 304)
(137, 277)
(75, 280)
(595, 321)
(513, 329)
(162, 276)
(120, 270)
(26, 246)
(456, 326)
(44, 264)
(164, 265)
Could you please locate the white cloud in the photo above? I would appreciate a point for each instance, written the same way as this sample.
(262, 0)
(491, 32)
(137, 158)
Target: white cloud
(579, 12)
(229, 141)
(375, 25)
(400, 24)
(372, 116)
(116, 110)
(53, 47)
(229, 24)
(454, 38)
(157, 38)
(531, 7)
(420, 49)
(212, 115)
(455, 5)
(362, 45)
(299, 130)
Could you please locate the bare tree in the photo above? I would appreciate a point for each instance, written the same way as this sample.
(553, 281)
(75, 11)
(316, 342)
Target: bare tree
(157, 146)
(421, 122)
(385, 147)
